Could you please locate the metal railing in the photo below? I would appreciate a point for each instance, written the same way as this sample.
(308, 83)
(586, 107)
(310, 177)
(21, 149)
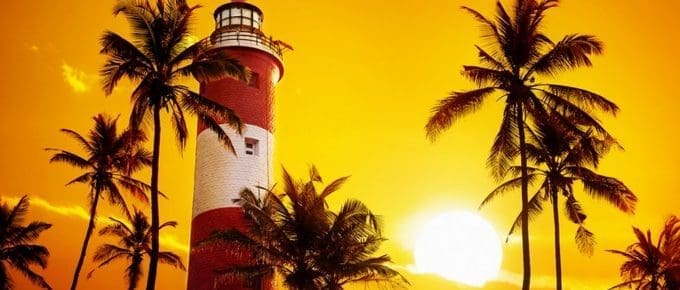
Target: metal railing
(248, 36)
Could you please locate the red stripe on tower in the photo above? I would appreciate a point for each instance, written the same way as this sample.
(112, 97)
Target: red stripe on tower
(220, 175)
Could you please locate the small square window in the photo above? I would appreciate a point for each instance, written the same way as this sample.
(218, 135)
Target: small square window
(252, 147)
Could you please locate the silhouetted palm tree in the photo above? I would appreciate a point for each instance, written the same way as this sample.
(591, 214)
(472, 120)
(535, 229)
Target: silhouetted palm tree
(651, 266)
(16, 245)
(561, 158)
(520, 52)
(134, 242)
(295, 233)
(158, 56)
(109, 160)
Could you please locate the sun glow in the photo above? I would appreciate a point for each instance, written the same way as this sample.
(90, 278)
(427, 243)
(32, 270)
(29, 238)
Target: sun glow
(459, 246)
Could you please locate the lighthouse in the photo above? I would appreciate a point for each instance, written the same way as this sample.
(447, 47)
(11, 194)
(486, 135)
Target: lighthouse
(221, 175)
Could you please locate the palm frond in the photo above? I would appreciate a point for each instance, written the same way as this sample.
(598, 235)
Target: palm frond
(214, 65)
(69, 158)
(581, 96)
(218, 130)
(482, 76)
(506, 186)
(450, 109)
(84, 143)
(574, 211)
(571, 52)
(32, 276)
(25, 234)
(606, 188)
(171, 259)
(505, 146)
(179, 124)
(585, 240)
(534, 208)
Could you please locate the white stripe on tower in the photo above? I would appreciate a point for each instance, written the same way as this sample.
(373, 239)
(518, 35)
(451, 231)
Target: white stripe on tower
(220, 175)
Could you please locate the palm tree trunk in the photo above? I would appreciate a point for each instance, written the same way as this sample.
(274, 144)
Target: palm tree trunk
(558, 254)
(153, 255)
(88, 234)
(134, 271)
(526, 255)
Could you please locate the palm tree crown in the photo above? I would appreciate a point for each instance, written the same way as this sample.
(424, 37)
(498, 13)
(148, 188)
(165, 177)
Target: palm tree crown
(295, 233)
(561, 158)
(649, 265)
(17, 249)
(159, 55)
(134, 243)
(109, 161)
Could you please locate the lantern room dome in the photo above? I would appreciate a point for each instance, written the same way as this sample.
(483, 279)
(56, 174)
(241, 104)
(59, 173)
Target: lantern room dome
(238, 13)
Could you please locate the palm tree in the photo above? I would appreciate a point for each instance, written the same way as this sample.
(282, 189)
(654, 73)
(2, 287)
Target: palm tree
(158, 56)
(134, 242)
(109, 160)
(295, 233)
(649, 265)
(520, 52)
(563, 157)
(16, 245)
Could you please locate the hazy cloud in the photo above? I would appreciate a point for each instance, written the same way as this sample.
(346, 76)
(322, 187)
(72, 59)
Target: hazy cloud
(548, 281)
(168, 241)
(75, 78)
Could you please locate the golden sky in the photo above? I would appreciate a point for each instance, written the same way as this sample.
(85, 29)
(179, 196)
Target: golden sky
(356, 94)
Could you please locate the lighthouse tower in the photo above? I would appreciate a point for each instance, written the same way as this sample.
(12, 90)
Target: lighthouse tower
(221, 175)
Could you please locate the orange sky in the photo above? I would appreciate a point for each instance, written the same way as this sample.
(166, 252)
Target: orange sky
(354, 99)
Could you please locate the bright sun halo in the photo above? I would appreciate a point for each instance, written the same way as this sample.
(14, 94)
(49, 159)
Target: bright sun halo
(459, 246)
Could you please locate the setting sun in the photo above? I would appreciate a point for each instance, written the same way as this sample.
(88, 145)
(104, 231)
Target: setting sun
(459, 246)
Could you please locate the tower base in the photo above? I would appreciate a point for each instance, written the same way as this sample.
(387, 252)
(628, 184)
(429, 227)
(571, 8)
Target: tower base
(204, 261)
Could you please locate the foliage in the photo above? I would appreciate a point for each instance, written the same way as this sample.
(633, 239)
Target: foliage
(295, 233)
(134, 242)
(109, 161)
(161, 53)
(649, 265)
(17, 248)
(518, 53)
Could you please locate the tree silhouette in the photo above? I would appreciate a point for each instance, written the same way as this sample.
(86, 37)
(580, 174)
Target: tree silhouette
(109, 161)
(649, 265)
(159, 55)
(519, 54)
(561, 159)
(134, 242)
(295, 233)
(17, 249)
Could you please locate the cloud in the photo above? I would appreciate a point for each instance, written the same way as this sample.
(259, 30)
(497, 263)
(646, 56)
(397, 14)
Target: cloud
(548, 281)
(75, 78)
(167, 241)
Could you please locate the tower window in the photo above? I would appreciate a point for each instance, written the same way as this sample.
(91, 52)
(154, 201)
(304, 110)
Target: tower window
(252, 147)
(254, 80)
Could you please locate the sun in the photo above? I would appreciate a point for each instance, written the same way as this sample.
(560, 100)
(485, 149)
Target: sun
(459, 246)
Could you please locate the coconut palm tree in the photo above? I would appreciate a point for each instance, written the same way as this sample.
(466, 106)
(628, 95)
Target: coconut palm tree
(295, 233)
(134, 243)
(519, 54)
(17, 249)
(563, 157)
(159, 54)
(649, 265)
(109, 160)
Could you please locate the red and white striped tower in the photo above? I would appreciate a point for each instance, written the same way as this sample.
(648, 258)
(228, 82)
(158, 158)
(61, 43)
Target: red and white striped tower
(220, 175)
